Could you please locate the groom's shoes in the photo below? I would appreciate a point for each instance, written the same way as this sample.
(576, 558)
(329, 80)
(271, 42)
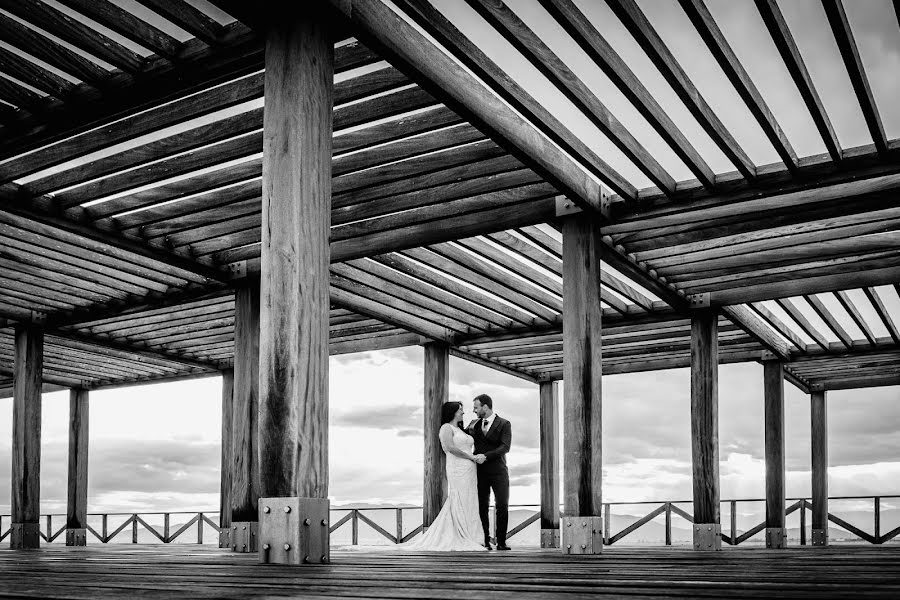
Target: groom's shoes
(488, 546)
(503, 547)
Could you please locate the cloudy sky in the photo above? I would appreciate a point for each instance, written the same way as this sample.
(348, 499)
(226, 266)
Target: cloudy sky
(157, 447)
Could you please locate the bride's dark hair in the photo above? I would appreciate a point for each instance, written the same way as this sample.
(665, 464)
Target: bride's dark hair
(448, 412)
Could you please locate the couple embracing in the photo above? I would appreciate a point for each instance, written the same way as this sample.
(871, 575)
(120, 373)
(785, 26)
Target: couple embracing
(476, 465)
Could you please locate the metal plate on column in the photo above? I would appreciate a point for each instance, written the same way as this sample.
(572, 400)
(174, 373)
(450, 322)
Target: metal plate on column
(819, 537)
(582, 535)
(76, 537)
(549, 538)
(294, 531)
(24, 535)
(707, 536)
(776, 538)
(244, 536)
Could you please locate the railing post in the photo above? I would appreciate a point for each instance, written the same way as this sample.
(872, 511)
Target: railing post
(354, 521)
(606, 521)
(200, 528)
(134, 528)
(399, 525)
(803, 522)
(166, 528)
(50, 527)
(668, 523)
(733, 505)
(104, 532)
(877, 519)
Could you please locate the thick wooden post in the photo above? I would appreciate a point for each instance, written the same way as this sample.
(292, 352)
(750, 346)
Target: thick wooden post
(26, 443)
(245, 488)
(705, 429)
(582, 530)
(76, 512)
(437, 391)
(773, 383)
(296, 221)
(549, 423)
(227, 458)
(819, 429)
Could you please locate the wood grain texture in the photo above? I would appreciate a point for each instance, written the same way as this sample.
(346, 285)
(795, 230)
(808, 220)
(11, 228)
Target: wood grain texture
(296, 209)
(437, 392)
(819, 458)
(245, 486)
(79, 407)
(227, 448)
(705, 415)
(549, 428)
(773, 384)
(582, 346)
(26, 443)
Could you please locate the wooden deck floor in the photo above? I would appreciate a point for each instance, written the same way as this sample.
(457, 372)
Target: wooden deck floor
(197, 572)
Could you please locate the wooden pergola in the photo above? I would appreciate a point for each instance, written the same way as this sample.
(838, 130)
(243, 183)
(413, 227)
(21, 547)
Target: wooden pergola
(177, 186)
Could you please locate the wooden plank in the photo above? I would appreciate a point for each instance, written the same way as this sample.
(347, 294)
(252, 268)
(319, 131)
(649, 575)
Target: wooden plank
(227, 452)
(721, 50)
(189, 18)
(791, 309)
(582, 335)
(293, 453)
(819, 458)
(744, 318)
(549, 450)
(773, 386)
(883, 313)
(643, 32)
(436, 393)
(244, 471)
(470, 55)
(405, 47)
(793, 60)
(840, 27)
(705, 416)
(579, 27)
(860, 321)
(26, 436)
(830, 320)
(76, 511)
(530, 45)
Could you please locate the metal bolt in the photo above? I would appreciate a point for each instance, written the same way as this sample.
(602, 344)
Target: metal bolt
(265, 546)
(235, 527)
(583, 524)
(244, 527)
(267, 510)
(287, 509)
(709, 528)
(287, 547)
(324, 558)
(306, 559)
(306, 521)
(324, 523)
(568, 523)
(245, 546)
(569, 547)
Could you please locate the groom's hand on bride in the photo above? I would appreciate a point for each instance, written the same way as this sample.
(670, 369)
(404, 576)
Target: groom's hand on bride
(480, 458)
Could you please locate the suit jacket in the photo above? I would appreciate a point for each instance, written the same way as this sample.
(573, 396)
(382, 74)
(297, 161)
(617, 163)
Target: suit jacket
(494, 444)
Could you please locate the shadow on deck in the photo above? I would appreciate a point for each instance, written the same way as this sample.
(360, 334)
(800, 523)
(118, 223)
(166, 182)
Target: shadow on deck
(147, 571)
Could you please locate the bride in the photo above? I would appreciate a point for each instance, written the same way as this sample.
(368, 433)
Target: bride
(458, 526)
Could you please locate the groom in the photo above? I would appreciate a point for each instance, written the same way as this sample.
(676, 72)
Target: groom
(493, 437)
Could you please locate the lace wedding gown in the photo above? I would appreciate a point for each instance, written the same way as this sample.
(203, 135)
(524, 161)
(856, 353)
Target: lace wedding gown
(458, 526)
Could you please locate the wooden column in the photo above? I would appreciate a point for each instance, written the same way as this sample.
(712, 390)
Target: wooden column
(26, 443)
(549, 423)
(296, 220)
(705, 429)
(819, 429)
(245, 488)
(76, 512)
(227, 458)
(437, 392)
(582, 530)
(773, 382)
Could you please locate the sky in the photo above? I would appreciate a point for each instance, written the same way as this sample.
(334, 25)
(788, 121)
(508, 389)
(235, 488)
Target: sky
(157, 448)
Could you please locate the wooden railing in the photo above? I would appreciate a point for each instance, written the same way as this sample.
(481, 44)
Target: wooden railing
(354, 516)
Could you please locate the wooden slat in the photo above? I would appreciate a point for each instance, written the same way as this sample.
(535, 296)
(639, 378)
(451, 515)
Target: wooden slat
(126, 24)
(840, 27)
(883, 313)
(191, 19)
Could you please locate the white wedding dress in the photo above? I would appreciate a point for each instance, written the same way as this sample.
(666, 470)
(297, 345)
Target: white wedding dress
(458, 526)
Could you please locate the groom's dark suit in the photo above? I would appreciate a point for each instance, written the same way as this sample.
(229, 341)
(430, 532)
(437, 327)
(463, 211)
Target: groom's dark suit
(493, 474)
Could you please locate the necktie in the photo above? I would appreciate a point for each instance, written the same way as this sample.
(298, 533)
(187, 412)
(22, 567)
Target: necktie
(485, 425)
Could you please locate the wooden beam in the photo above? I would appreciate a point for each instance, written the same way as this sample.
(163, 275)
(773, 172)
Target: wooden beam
(549, 429)
(646, 36)
(883, 313)
(25, 501)
(298, 129)
(77, 487)
(412, 53)
(705, 429)
(743, 317)
(773, 384)
(582, 346)
(819, 457)
(840, 26)
(245, 486)
(721, 50)
(225, 477)
(437, 392)
(793, 60)
(494, 364)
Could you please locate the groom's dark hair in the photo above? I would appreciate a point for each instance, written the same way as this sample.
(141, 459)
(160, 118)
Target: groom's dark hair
(485, 400)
